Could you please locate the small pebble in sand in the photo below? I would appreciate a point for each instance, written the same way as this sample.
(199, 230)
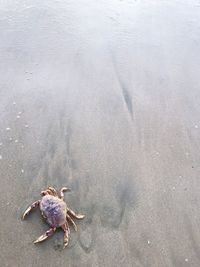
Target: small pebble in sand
(0, 156)
(16, 141)
(148, 242)
(1, 144)
(18, 117)
(20, 112)
(186, 260)
(26, 126)
(14, 103)
(10, 138)
(173, 187)
(22, 171)
(196, 126)
(8, 129)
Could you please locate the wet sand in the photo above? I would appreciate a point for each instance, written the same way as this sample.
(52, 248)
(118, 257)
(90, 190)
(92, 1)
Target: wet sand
(103, 97)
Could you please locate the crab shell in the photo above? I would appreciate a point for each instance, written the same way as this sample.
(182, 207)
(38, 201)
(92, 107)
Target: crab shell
(54, 210)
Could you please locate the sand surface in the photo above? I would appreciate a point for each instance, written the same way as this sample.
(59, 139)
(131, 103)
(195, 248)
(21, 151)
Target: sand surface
(103, 97)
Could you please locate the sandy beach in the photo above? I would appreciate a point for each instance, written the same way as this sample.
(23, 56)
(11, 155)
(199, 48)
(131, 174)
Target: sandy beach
(102, 97)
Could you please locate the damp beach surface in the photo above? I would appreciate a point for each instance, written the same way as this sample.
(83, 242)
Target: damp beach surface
(102, 97)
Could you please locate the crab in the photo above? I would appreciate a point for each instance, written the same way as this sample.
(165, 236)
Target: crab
(56, 212)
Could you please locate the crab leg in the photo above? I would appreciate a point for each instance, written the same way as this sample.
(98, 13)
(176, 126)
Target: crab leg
(45, 235)
(66, 230)
(77, 216)
(30, 208)
(72, 222)
(62, 190)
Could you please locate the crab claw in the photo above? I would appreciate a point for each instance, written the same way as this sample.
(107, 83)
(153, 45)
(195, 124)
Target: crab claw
(43, 193)
(26, 213)
(65, 189)
(45, 235)
(65, 244)
(30, 208)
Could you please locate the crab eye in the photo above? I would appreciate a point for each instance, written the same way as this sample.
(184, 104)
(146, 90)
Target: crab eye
(43, 193)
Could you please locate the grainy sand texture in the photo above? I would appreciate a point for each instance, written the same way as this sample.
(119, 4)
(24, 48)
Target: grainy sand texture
(103, 97)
